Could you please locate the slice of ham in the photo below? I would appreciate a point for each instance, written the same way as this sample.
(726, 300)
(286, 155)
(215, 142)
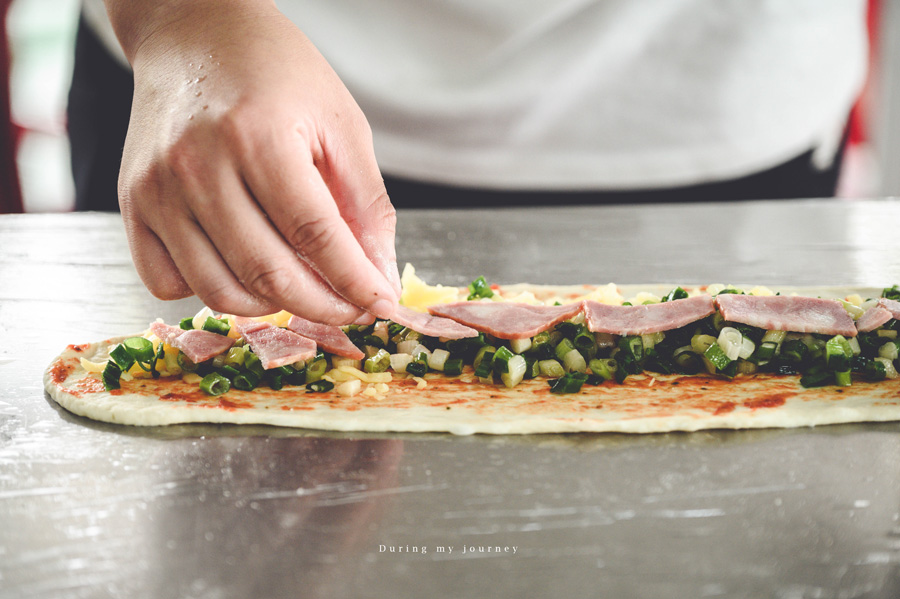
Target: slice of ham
(649, 318)
(273, 345)
(198, 345)
(328, 337)
(506, 320)
(787, 313)
(433, 326)
(878, 314)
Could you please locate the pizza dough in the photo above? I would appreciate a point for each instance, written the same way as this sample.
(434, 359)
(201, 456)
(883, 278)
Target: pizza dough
(462, 405)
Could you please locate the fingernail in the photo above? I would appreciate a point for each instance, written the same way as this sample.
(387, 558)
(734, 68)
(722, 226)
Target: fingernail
(365, 319)
(383, 309)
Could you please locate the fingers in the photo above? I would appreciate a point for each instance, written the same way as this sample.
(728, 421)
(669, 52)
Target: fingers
(352, 175)
(252, 256)
(301, 206)
(153, 262)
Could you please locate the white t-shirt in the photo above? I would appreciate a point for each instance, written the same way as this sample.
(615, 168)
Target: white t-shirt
(592, 94)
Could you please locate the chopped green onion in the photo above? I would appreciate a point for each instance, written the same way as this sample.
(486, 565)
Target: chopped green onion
(214, 325)
(876, 370)
(141, 349)
(816, 379)
(187, 324)
(479, 288)
(569, 329)
(122, 357)
(229, 372)
(632, 346)
(677, 293)
(374, 341)
(838, 353)
(315, 370)
(574, 361)
(380, 362)
(585, 341)
(438, 359)
(569, 383)
(562, 348)
(319, 386)
(247, 380)
(891, 292)
(717, 357)
(794, 350)
(111, 375)
(515, 371)
(485, 364)
(501, 359)
(730, 340)
(453, 367)
(215, 384)
(551, 368)
(417, 368)
(606, 369)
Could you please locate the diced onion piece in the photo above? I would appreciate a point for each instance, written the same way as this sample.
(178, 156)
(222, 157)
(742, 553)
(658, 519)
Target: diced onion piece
(887, 333)
(400, 361)
(437, 359)
(92, 366)
(747, 348)
(516, 371)
(889, 370)
(380, 330)
(854, 346)
(573, 361)
(853, 310)
(407, 346)
(730, 340)
(649, 340)
(201, 317)
(349, 388)
(420, 382)
(338, 361)
(520, 346)
(889, 350)
(192, 378)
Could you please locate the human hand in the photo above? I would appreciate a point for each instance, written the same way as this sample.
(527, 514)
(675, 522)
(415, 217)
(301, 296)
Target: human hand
(248, 175)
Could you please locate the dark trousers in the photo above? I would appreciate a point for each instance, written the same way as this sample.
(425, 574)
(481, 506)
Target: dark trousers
(100, 103)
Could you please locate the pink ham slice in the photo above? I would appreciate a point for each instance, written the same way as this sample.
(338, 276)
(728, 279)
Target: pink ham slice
(878, 314)
(433, 326)
(787, 313)
(328, 337)
(273, 345)
(506, 320)
(649, 318)
(198, 345)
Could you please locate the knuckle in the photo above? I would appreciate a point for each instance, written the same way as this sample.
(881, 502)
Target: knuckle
(268, 282)
(311, 237)
(221, 299)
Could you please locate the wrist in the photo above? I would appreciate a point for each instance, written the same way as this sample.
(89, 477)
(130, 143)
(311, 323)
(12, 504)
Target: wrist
(143, 26)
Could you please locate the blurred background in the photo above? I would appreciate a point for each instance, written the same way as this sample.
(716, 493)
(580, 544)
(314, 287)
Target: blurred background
(40, 35)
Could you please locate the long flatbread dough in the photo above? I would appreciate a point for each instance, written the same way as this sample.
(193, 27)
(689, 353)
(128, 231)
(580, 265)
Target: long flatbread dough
(462, 405)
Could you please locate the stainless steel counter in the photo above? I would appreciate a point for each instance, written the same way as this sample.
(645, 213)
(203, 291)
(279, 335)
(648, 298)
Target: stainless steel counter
(96, 510)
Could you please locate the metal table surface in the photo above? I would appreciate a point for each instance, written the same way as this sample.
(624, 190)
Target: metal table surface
(95, 510)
